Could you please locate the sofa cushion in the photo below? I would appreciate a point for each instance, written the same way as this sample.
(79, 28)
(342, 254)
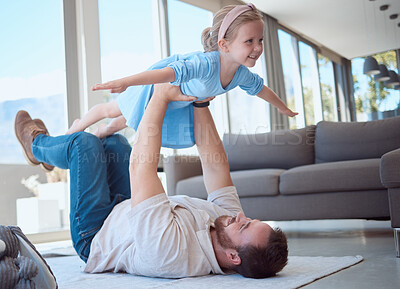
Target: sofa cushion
(339, 141)
(255, 183)
(332, 177)
(280, 149)
(192, 187)
(249, 183)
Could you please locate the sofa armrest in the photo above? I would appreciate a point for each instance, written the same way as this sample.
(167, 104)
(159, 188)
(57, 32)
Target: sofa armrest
(390, 169)
(390, 178)
(180, 167)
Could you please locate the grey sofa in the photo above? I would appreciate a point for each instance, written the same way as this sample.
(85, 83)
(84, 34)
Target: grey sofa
(334, 170)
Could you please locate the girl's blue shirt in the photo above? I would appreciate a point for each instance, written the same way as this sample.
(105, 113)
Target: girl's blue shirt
(197, 74)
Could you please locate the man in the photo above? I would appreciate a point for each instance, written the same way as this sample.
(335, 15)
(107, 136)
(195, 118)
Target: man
(122, 220)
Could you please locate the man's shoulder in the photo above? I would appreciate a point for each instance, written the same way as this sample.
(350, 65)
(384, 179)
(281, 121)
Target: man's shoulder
(223, 201)
(187, 201)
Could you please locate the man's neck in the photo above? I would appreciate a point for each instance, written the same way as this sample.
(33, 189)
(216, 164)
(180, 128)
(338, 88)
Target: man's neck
(218, 250)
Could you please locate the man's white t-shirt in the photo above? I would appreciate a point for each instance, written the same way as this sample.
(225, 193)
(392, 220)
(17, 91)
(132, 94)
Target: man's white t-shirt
(162, 236)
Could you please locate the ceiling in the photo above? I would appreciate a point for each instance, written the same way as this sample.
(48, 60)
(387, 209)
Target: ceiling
(351, 28)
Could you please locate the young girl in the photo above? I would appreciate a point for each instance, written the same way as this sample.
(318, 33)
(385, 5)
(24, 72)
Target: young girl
(232, 44)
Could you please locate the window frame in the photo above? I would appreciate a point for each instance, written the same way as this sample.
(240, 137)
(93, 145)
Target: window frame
(378, 114)
(343, 95)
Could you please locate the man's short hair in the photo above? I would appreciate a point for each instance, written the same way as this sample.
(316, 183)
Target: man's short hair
(263, 262)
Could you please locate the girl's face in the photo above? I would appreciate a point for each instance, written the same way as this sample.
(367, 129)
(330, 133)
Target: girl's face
(247, 46)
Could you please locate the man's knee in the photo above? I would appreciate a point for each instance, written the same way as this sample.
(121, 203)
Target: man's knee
(116, 139)
(117, 144)
(87, 140)
(89, 148)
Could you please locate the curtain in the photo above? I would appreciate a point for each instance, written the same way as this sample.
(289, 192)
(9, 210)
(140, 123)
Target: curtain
(274, 70)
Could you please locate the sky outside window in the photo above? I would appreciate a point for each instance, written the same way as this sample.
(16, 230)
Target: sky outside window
(186, 23)
(126, 37)
(32, 69)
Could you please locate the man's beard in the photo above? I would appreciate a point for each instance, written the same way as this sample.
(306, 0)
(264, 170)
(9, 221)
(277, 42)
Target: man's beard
(223, 239)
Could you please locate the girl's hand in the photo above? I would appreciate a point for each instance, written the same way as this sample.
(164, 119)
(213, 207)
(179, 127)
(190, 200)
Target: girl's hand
(288, 112)
(115, 86)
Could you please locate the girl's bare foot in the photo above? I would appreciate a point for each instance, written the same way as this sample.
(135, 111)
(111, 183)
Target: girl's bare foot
(74, 127)
(101, 131)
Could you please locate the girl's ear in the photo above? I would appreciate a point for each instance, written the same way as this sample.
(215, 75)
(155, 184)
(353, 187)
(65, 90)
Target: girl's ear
(223, 45)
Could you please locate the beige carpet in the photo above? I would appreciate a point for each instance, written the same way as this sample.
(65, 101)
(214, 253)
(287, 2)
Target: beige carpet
(299, 272)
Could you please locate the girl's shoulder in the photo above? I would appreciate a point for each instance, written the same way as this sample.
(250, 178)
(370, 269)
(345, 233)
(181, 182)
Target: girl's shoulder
(212, 56)
(245, 71)
(202, 60)
(196, 56)
(205, 58)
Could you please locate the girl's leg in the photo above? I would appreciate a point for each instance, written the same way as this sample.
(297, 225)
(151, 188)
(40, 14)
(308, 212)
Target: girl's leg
(96, 113)
(91, 201)
(114, 126)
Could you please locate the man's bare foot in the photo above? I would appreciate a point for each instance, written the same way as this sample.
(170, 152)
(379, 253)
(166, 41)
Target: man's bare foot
(74, 127)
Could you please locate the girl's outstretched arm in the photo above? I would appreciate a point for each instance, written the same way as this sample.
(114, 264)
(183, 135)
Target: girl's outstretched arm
(166, 74)
(268, 95)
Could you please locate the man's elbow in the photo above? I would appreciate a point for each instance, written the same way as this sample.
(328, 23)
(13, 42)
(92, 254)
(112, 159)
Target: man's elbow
(216, 168)
(135, 166)
(139, 170)
(137, 173)
(215, 160)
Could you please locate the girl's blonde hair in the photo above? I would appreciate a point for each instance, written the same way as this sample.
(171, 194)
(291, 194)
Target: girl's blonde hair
(209, 37)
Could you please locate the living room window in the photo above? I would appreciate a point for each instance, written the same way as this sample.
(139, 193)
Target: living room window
(374, 100)
(328, 90)
(186, 23)
(310, 84)
(249, 114)
(126, 38)
(32, 78)
(291, 71)
(32, 69)
(127, 42)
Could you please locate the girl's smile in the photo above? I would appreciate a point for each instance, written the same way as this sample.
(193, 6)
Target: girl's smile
(247, 46)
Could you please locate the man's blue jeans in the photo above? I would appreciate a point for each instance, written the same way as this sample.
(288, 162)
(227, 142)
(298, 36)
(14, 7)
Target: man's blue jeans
(99, 178)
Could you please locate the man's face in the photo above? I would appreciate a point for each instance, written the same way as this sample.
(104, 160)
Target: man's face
(234, 232)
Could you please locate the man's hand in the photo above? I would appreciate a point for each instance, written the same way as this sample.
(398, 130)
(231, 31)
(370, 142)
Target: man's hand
(205, 100)
(167, 92)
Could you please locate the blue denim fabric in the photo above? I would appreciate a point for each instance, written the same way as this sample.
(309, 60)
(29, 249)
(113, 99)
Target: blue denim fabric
(99, 178)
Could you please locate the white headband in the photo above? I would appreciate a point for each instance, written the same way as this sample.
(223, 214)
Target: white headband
(231, 16)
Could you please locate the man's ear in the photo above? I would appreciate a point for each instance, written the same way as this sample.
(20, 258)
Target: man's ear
(223, 45)
(233, 257)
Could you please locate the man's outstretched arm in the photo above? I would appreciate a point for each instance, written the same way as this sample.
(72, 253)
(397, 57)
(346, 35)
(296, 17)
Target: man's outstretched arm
(213, 158)
(146, 150)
